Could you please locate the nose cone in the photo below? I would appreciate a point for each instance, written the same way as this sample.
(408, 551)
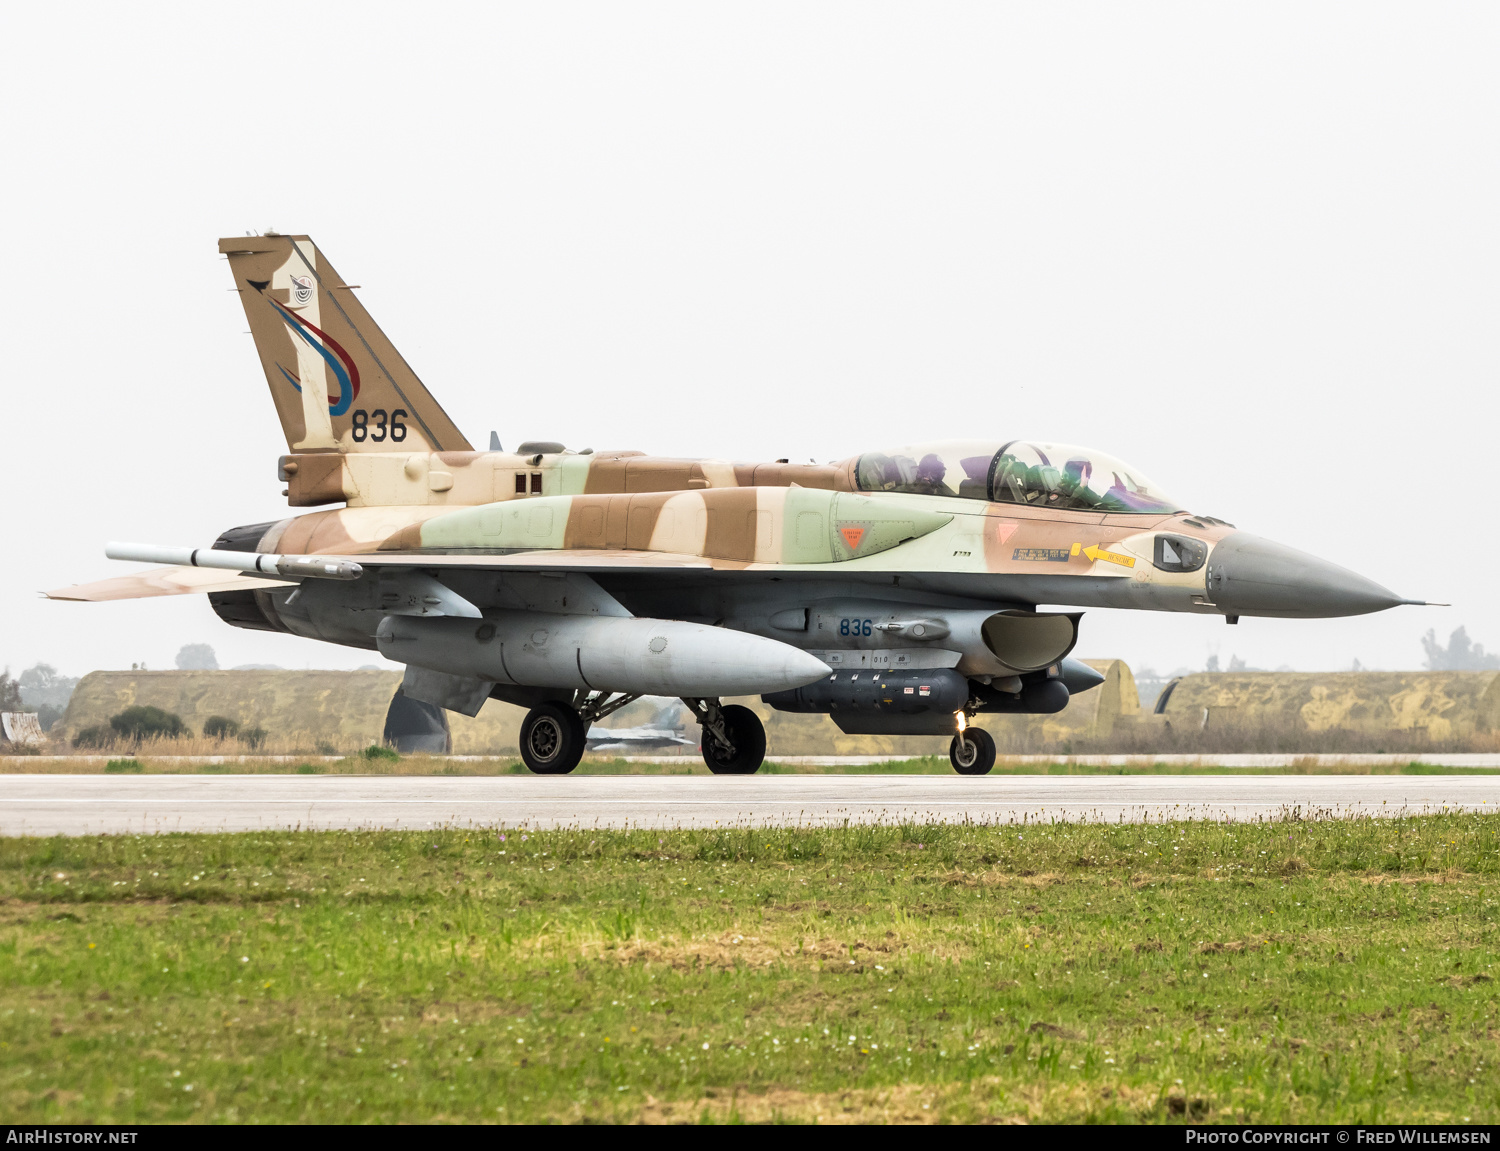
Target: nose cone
(1251, 576)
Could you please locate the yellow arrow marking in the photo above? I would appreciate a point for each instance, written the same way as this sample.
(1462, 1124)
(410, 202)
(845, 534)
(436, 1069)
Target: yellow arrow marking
(1096, 553)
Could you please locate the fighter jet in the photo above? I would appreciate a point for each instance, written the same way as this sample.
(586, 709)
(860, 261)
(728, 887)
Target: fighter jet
(663, 732)
(896, 591)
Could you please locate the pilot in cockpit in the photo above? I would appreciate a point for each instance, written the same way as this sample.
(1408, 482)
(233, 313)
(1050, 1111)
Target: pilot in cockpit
(929, 478)
(1039, 475)
(1077, 473)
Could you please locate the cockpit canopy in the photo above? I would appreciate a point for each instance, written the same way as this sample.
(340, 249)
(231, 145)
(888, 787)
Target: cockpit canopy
(1019, 472)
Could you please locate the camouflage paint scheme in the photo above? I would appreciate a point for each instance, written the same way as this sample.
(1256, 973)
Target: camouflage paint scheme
(776, 549)
(311, 330)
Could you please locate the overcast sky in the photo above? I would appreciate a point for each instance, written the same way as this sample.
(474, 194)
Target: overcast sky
(1249, 248)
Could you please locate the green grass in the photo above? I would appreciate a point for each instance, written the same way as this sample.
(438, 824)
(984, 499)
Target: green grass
(1283, 972)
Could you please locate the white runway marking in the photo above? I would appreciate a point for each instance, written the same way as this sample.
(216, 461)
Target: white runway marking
(103, 804)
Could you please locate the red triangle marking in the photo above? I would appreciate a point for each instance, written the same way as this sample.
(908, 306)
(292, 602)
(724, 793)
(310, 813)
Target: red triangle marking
(1004, 529)
(852, 536)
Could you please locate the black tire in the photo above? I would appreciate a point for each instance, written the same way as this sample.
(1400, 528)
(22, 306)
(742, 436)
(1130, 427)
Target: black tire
(972, 752)
(552, 739)
(749, 736)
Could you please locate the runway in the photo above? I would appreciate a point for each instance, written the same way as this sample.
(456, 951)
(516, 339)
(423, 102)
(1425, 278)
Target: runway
(105, 804)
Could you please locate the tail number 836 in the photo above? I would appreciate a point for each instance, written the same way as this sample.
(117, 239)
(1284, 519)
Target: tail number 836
(376, 425)
(855, 626)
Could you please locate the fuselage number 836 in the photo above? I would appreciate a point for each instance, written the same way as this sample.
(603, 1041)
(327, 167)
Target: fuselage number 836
(377, 425)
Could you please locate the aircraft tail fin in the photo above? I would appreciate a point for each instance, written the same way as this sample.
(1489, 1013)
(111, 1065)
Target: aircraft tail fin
(338, 382)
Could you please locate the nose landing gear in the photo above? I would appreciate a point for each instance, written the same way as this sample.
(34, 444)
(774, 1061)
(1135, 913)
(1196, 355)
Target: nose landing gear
(972, 752)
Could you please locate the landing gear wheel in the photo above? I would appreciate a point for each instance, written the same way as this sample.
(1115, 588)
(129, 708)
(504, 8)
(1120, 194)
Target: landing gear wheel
(749, 737)
(552, 739)
(972, 752)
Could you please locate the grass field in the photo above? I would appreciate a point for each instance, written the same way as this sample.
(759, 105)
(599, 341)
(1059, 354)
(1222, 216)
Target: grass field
(1330, 971)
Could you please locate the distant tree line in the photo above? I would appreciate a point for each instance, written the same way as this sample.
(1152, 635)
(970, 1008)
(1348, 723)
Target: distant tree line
(43, 689)
(40, 689)
(1461, 654)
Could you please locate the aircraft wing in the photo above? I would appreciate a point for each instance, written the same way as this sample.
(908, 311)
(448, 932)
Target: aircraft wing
(551, 534)
(575, 559)
(216, 571)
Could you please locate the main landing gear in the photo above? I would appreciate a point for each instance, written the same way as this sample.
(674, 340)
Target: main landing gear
(554, 735)
(972, 752)
(734, 739)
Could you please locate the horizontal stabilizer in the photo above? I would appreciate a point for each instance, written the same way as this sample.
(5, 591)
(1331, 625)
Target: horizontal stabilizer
(162, 581)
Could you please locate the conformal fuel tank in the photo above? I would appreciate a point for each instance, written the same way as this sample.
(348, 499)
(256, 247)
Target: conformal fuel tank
(636, 655)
